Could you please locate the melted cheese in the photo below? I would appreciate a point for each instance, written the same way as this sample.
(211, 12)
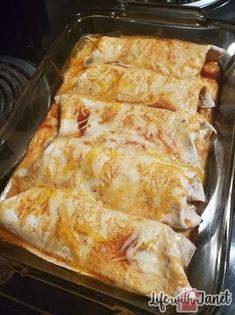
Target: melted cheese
(108, 156)
(137, 247)
(169, 56)
(179, 135)
(115, 83)
(157, 185)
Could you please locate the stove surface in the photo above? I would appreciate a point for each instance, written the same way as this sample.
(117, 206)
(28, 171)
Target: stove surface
(26, 32)
(14, 75)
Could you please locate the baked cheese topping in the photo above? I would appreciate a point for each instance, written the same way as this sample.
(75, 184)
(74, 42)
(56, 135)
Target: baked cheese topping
(119, 162)
(131, 252)
(114, 82)
(179, 135)
(123, 177)
(170, 57)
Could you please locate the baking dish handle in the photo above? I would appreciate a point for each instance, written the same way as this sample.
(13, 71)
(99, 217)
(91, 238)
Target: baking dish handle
(6, 271)
(164, 11)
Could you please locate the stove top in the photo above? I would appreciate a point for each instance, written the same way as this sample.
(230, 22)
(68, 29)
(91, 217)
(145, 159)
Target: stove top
(26, 40)
(14, 75)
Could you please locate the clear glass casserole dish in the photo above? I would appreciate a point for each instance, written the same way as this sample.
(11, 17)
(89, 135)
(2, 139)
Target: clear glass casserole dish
(209, 266)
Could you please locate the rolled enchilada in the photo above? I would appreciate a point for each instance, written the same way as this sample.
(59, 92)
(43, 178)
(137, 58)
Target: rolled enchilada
(77, 232)
(115, 82)
(122, 176)
(171, 57)
(183, 137)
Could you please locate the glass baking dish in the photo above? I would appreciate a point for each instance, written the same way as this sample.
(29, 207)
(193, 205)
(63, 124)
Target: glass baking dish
(209, 266)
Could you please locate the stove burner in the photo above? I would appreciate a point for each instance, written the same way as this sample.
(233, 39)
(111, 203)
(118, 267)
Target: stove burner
(14, 75)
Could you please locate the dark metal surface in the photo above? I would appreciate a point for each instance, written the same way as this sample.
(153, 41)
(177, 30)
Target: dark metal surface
(214, 232)
(14, 75)
(38, 23)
